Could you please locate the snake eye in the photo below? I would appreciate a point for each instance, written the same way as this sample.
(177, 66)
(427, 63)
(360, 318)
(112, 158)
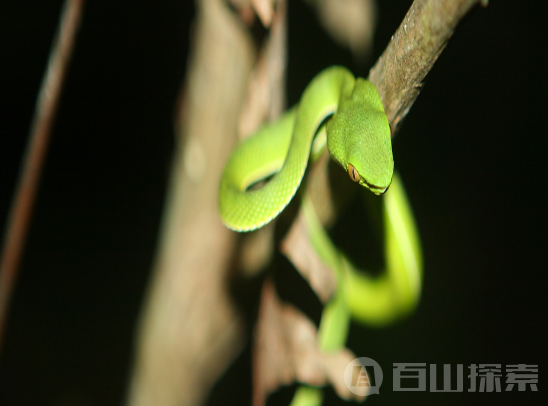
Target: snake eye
(353, 173)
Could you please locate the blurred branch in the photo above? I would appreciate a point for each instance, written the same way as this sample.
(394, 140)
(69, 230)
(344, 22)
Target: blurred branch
(351, 23)
(190, 329)
(44, 115)
(286, 350)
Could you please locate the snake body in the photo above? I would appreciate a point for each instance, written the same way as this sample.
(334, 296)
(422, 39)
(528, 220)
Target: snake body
(358, 138)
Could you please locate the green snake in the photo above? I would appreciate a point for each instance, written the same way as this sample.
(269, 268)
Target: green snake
(359, 143)
(358, 138)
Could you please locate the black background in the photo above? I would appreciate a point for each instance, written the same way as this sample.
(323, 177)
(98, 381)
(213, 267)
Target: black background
(471, 153)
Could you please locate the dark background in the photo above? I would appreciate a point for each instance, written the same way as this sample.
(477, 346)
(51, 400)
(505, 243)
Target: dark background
(471, 153)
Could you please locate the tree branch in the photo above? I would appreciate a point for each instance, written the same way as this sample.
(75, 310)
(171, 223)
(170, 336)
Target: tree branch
(190, 329)
(44, 115)
(413, 50)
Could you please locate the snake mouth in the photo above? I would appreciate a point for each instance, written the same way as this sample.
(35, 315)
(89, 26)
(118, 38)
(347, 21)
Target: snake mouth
(378, 190)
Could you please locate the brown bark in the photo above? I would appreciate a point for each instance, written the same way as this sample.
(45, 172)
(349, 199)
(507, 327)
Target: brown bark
(189, 328)
(413, 50)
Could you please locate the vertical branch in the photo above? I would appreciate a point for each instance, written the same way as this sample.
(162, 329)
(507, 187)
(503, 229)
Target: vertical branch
(189, 328)
(46, 107)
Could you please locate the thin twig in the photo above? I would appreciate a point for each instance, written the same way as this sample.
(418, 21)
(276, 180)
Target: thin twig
(46, 106)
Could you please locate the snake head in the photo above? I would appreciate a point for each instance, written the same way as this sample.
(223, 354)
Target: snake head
(358, 138)
(370, 162)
